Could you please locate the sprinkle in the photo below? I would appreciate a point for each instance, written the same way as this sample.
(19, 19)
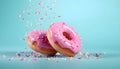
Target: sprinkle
(98, 55)
(59, 16)
(9, 59)
(32, 53)
(23, 19)
(71, 58)
(41, 18)
(86, 54)
(80, 58)
(39, 3)
(77, 46)
(50, 8)
(27, 55)
(37, 12)
(47, 58)
(22, 59)
(18, 55)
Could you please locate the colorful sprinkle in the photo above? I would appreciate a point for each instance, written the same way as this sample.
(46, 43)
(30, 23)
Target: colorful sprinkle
(39, 3)
(41, 18)
(51, 9)
(59, 16)
(18, 55)
(22, 59)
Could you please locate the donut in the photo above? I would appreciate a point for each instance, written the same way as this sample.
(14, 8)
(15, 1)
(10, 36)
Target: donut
(37, 40)
(64, 39)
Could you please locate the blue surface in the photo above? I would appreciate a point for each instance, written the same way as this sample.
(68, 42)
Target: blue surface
(96, 21)
(109, 60)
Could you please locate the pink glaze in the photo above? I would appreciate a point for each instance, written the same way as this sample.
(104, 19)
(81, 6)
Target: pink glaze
(57, 29)
(40, 37)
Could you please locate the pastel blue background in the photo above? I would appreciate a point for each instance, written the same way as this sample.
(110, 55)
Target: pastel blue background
(96, 21)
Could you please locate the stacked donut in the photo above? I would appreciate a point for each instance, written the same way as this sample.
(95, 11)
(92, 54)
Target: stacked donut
(60, 37)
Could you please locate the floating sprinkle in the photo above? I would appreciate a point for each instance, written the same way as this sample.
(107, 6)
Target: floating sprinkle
(59, 16)
(41, 18)
(38, 12)
(39, 3)
(27, 55)
(51, 8)
(9, 59)
(18, 55)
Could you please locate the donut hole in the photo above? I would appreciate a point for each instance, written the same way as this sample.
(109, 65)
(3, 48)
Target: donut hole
(35, 43)
(67, 36)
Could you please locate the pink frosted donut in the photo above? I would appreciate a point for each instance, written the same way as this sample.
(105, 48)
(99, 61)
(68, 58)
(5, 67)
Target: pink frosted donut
(64, 39)
(37, 40)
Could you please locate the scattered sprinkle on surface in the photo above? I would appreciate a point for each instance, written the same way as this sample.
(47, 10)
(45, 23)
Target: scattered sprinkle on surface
(34, 56)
